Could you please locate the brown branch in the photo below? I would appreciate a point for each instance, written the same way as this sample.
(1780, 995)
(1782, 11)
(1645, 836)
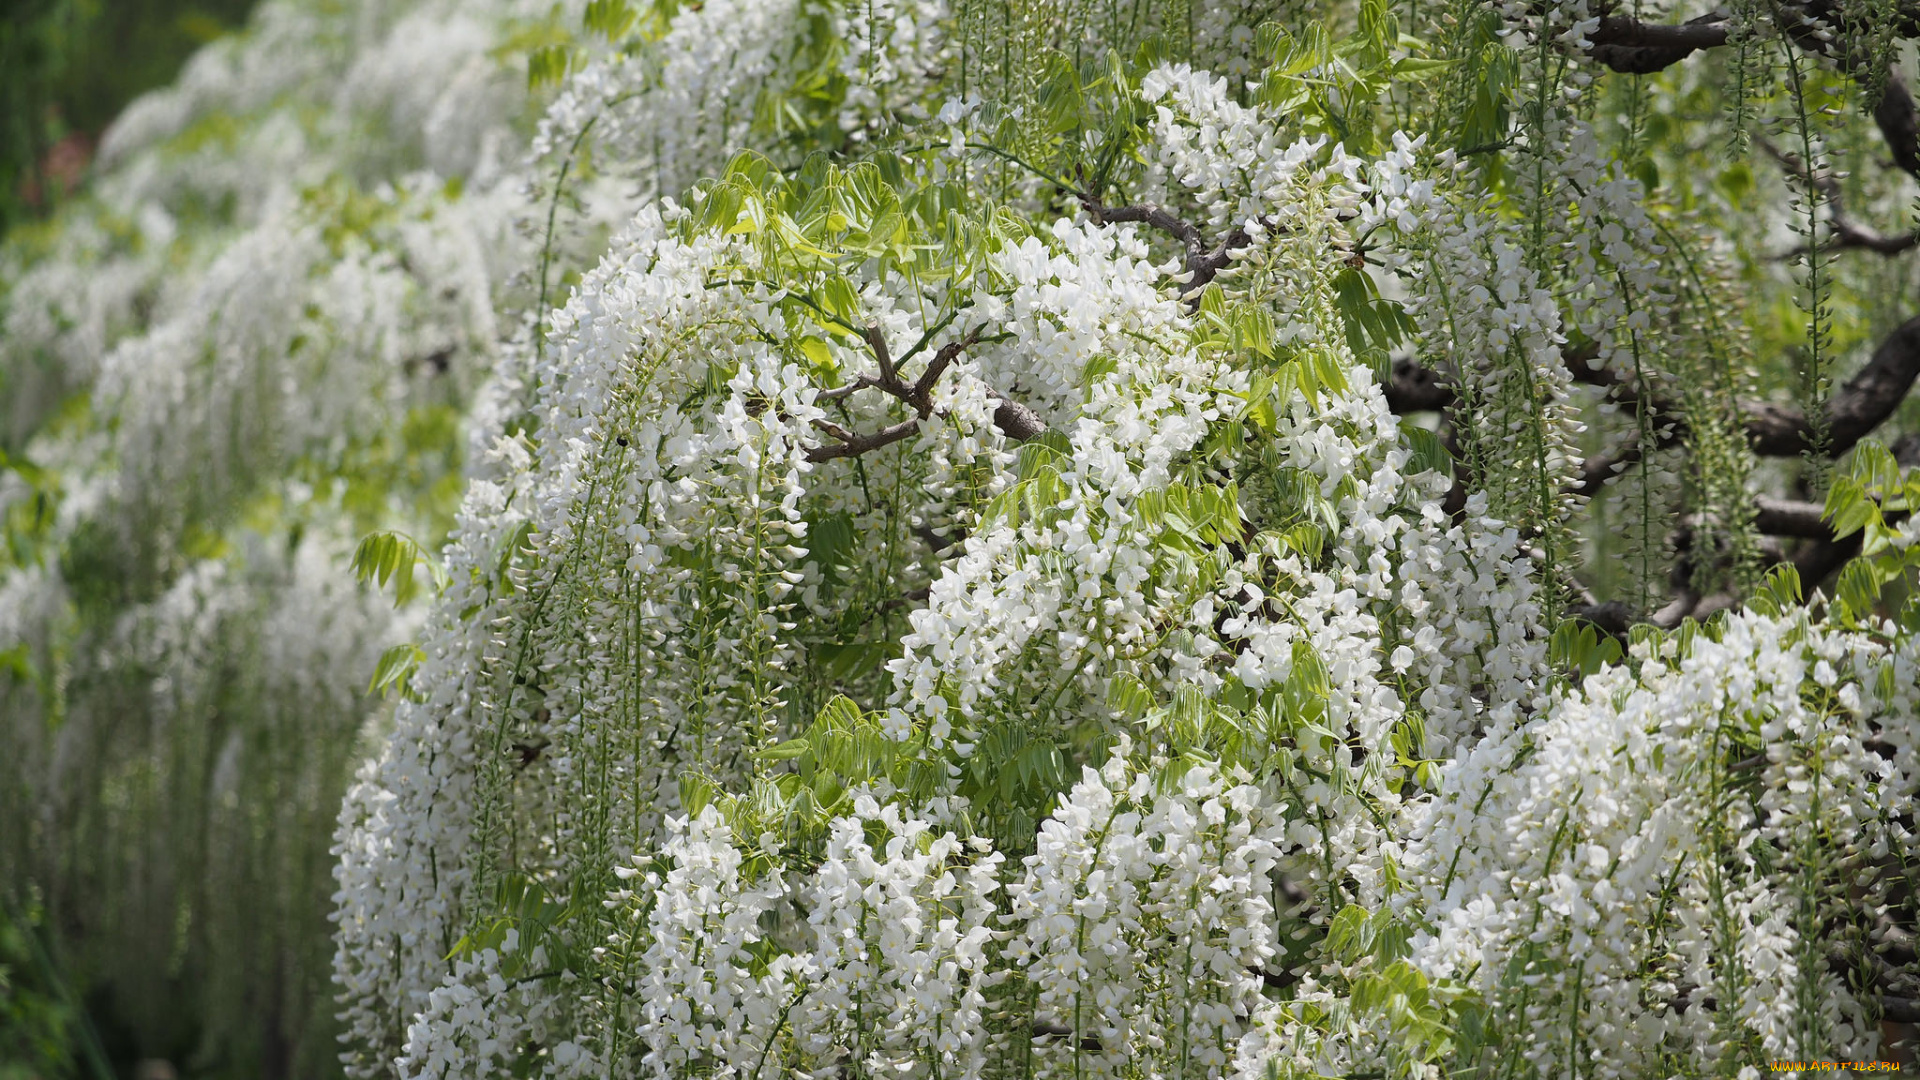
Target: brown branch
(1818, 560)
(877, 341)
(1893, 111)
(1149, 214)
(1630, 46)
(1895, 115)
(1674, 613)
(846, 390)
(1636, 48)
(1843, 234)
(1790, 517)
(852, 445)
(1860, 406)
(1863, 404)
(1414, 388)
(920, 395)
(1202, 265)
(1088, 1043)
(1848, 236)
(1014, 420)
(1787, 517)
(1207, 267)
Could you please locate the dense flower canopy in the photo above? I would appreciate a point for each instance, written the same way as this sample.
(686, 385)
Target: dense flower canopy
(1162, 539)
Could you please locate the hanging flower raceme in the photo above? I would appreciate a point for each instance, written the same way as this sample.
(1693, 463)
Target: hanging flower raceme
(1630, 875)
(1144, 920)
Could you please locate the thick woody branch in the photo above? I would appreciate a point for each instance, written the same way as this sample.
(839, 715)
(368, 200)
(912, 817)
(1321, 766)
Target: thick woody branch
(1848, 236)
(1208, 266)
(1630, 46)
(1895, 115)
(877, 341)
(1414, 388)
(920, 395)
(1893, 111)
(853, 445)
(1860, 406)
(1015, 421)
(1637, 48)
(1817, 558)
(1149, 214)
(1788, 517)
(1088, 1043)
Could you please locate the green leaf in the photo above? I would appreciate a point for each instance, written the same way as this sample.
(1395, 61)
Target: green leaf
(1253, 329)
(1371, 322)
(1779, 592)
(391, 556)
(547, 65)
(1858, 588)
(1849, 508)
(1349, 936)
(611, 19)
(786, 751)
(1414, 70)
(1429, 453)
(395, 668)
(1309, 672)
(838, 297)
(1059, 97)
(720, 210)
(1577, 645)
(839, 714)
(1297, 55)
(696, 793)
(1873, 465)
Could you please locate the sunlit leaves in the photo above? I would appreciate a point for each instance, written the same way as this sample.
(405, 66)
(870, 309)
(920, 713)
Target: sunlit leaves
(387, 556)
(611, 19)
(1874, 499)
(395, 669)
(549, 64)
(1581, 648)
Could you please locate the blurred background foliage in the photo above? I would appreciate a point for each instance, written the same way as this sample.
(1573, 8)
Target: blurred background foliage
(67, 67)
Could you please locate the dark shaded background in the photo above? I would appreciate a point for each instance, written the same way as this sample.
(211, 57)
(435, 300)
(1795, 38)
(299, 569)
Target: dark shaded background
(67, 67)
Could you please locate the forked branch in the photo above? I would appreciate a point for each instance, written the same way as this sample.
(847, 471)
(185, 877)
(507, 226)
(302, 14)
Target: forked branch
(1014, 420)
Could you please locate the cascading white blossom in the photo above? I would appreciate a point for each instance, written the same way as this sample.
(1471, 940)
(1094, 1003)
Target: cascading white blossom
(1599, 878)
(946, 594)
(674, 112)
(652, 431)
(1146, 499)
(1145, 918)
(240, 351)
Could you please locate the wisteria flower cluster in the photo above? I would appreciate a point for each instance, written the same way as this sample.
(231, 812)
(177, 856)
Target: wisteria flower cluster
(945, 581)
(1167, 523)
